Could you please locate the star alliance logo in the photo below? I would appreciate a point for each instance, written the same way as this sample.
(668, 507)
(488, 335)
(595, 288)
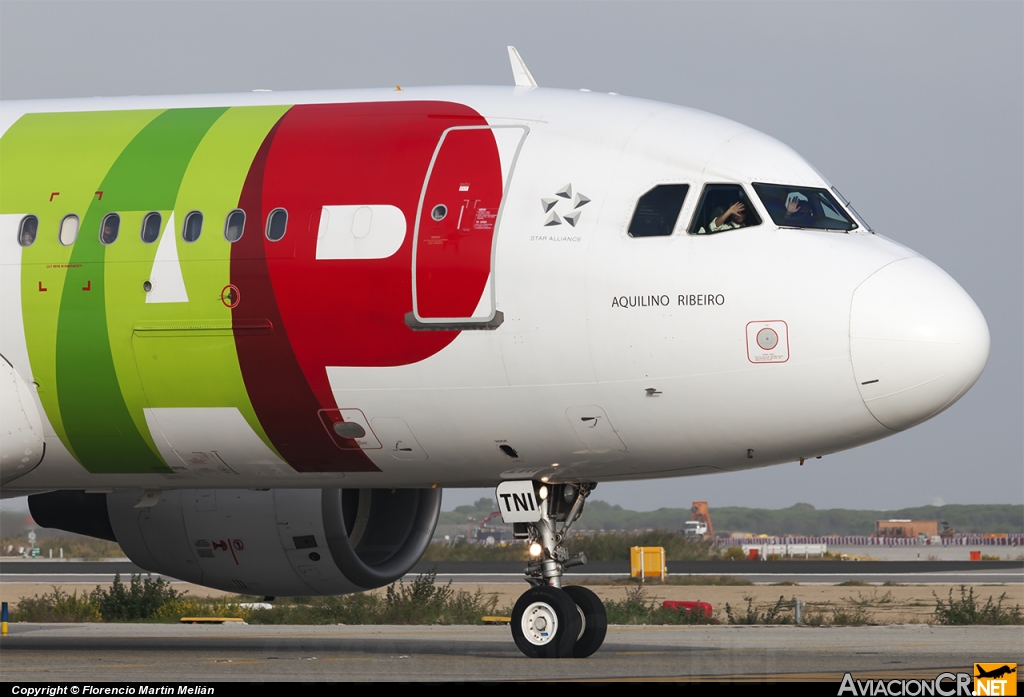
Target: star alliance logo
(565, 193)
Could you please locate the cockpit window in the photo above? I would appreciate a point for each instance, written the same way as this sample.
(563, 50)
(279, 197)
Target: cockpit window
(657, 211)
(803, 207)
(859, 218)
(723, 207)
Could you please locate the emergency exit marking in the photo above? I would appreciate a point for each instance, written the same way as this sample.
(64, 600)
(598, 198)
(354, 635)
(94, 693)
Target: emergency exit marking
(55, 193)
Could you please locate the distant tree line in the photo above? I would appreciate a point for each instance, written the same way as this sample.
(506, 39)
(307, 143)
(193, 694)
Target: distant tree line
(800, 519)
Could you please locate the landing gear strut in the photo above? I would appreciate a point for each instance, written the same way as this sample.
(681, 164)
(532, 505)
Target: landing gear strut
(550, 621)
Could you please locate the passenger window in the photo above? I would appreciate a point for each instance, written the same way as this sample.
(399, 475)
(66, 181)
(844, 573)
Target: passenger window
(193, 226)
(658, 210)
(723, 207)
(151, 227)
(234, 225)
(68, 230)
(803, 207)
(27, 230)
(109, 228)
(277, 223)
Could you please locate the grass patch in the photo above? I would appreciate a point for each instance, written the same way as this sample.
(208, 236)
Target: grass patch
(969, 610)
(770, 614)
(857, 617)
(637, 608)
(861, 600)
(57, 606)
(142, 599)
(853, 582)
(784, 583)
(420, 602)
(734, 554)
(153, 600)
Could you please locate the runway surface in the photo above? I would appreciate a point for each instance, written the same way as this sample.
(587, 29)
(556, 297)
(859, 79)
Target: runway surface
(803, 572)
(132, 652)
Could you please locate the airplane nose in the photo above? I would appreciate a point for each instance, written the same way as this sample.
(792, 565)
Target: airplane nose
(917, 341)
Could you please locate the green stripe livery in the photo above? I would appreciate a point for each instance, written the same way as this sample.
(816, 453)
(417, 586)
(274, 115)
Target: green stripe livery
(96, 371)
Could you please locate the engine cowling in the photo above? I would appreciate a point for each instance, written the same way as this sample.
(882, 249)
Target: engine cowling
(282, 542)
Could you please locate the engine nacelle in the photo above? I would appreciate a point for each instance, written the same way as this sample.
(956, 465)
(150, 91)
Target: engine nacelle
(283, 542)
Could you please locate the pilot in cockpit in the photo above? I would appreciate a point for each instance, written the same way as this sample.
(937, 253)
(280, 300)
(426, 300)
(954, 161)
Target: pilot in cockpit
(735, 216)
(723, 207)
(798, 211)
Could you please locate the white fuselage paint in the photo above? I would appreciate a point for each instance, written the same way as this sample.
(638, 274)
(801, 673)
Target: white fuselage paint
(618, 358)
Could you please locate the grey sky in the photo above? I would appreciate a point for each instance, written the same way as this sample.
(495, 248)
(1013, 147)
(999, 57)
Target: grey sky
(914, 110)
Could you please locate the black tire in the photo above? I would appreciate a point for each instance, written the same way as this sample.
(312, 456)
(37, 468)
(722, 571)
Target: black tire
(546, 623)
(595, 620)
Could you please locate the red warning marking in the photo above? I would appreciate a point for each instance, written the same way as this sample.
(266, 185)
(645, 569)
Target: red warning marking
(229, 545)
(87, 286)
(100, 194)
(55, 193)
(41, 289)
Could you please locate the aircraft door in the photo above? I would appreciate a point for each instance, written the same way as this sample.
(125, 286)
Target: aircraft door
(456, 231)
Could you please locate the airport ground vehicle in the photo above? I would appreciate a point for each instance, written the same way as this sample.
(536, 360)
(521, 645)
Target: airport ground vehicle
(252, 337)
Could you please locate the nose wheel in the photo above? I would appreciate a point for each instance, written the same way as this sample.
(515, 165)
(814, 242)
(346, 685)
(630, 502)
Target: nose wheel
(594, 617)
(546, 623)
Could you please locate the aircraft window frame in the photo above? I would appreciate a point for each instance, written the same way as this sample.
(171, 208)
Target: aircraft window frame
(272, 217)
(227, 225)
(72, 236)
(191, 216)
(853, 211)
(659, 205)
(116, 219)
(816, 200)
(22, 231)
(711, 188)
(152, 215)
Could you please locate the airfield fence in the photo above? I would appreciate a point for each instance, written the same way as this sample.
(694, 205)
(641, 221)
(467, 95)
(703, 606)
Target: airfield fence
(958, 540)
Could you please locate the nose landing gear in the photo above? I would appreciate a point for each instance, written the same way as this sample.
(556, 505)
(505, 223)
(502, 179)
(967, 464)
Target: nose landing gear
(549, 621)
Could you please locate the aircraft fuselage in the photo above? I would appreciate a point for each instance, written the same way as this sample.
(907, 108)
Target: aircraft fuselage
(437, 287)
